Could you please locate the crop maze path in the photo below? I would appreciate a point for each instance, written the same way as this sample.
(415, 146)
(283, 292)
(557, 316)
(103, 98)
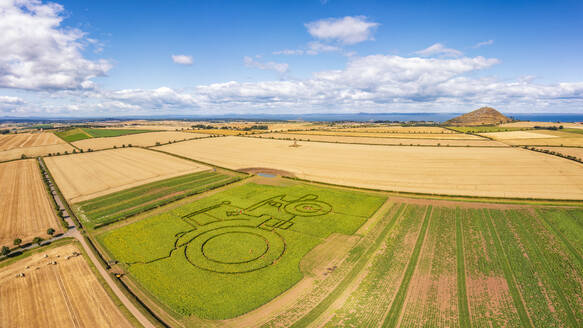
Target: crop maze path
(394, 314)
(464, 313)
(525, 319)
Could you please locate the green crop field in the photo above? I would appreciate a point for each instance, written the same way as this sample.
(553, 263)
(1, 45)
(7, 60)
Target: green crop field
(102, 133)
(419, 264)
(120, 205)
(76, 134)
(245, 242)
(72, 135)
(464, 267)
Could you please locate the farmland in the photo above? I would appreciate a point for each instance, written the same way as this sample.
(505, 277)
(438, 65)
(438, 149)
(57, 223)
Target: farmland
(181, 259)
(565, 137)
(76, 134)
(116, 206)
(472, 171)
(25, 208)
(419, 263)
(394, 129)
(141, 139)
(89, 175)
(385, 141)
(449, 135)
(13, 146)
(488, 128)
(66, 294)
(26, 140)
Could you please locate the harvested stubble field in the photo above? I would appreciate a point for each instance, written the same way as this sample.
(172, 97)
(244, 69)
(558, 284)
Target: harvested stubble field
(222, 132)
(518, 135)
(246, 242)
(541, 138)
(495, 172)
(529, 124)
(26, 210)
(25, 140)
(84, 176)
(123, 204)
(396, 129)
(385, 141)
(141, 139)
(410, 135)
(13, 146)
(486, 129)
(66, 294)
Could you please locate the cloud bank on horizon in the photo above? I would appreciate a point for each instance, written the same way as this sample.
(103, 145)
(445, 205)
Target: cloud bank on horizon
(45, 70)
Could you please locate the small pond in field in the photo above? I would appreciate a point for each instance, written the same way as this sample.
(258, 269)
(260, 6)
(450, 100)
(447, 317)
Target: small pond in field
(266, 175)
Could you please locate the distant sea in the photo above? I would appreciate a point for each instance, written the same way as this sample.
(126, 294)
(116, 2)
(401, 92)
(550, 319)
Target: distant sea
(364, 117)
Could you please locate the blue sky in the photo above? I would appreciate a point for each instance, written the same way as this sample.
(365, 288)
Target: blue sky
(105, 58)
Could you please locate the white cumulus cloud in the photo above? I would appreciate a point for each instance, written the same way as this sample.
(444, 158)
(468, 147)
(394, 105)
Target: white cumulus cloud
(346, 30)
(439, 49)
(182, 59)
(36, 53)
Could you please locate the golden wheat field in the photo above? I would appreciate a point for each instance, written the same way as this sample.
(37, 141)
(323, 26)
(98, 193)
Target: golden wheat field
(140, 139)
(65, 294)
(387, 141)
(530, 124)
(24, 140)
(495, 172)
(443, 136)
(396, 129)
(88, 175)
(13, 146)
(517, 135)
(25, 207)
(540, 138)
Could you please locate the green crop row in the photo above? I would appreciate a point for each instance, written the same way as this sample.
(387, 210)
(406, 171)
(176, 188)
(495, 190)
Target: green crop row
(120, 205)
(150, 195)
(368, 303)
(395, 310)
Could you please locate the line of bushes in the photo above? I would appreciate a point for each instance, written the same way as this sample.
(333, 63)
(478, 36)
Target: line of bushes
(551, 152)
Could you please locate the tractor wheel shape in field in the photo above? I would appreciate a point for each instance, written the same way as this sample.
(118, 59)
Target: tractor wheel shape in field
(235, 249)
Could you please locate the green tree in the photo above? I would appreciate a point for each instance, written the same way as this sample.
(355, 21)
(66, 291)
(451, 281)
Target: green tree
(5, 250)
(17, 242)
(37, 240)
(50, 231)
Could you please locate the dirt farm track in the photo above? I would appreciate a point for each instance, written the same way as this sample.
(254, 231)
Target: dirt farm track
(493, 172)
(25, 208)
